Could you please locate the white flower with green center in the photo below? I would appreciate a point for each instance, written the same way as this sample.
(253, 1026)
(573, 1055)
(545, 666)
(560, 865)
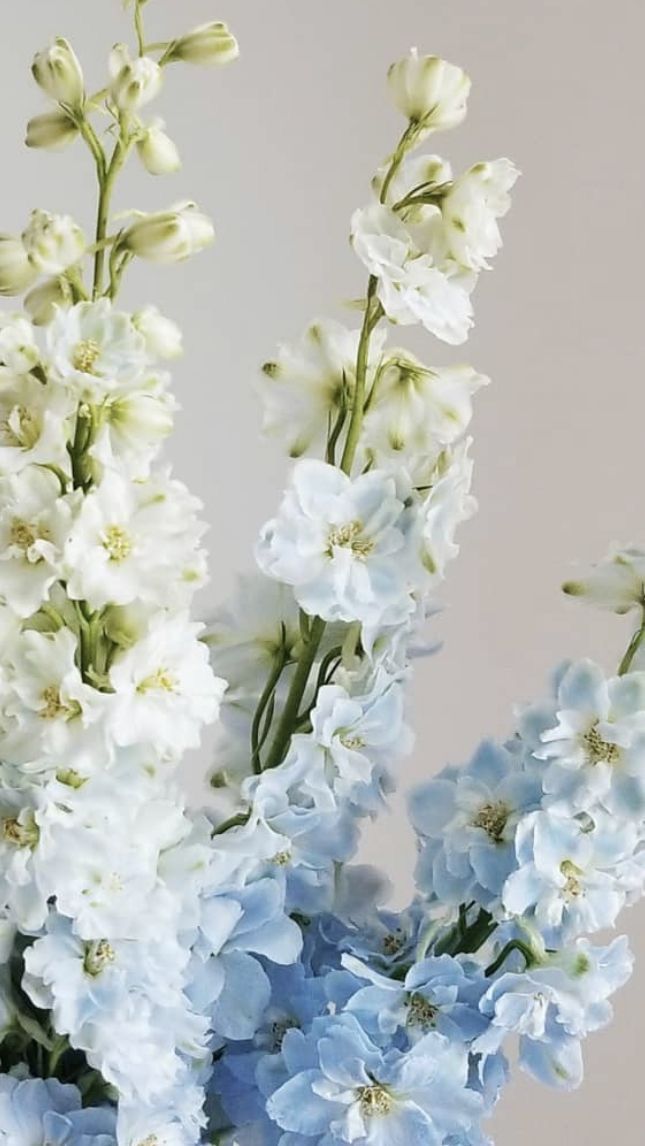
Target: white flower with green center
(416, 412)
(51, 717)
(412, 286)
(616, 583)
(34, 523)
(95, 350)
(470, 210)
(596, 750)
(133, 426)
(165, 689)
(35, 425)
(306, 391)
(342, 545)
(135, 541)
(442, 509)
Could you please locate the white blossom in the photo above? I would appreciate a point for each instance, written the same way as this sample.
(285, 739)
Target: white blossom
(53, 242)
(95, 350)
(34, 523)
(429, 91)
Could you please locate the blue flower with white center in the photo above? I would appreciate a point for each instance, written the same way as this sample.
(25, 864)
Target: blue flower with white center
(596, 743)
(574, 874)
(553, 1006)
(466, 820)
(345, 1088)
(441, 994)
(35, 1110)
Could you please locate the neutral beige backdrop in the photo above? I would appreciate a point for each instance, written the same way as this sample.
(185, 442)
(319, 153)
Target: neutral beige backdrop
(280, 148)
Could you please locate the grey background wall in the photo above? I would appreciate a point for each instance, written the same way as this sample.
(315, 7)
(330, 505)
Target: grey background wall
(280, 148)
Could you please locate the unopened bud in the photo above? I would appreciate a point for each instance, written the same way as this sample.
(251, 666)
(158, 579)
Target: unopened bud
(429, 91)
(16, 271)
(207, 44)
(53, 242)
(44, 300)
(169, 236)
(157, 151)
(162, 336)
(134, 83)
(54, 129)
(57, 71)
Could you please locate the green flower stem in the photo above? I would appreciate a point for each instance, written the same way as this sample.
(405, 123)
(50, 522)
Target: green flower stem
(403, 146)
(372, 316)
(632, 648)
(106, 188)
(258, 735)
(138, 26)
(513, 945)
(296, 692)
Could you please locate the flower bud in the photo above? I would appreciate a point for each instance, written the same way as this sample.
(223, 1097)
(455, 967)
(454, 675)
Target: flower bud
(169, 236)
(162, 336)
(44, 300)
(134, 82)
(16, 271)
(157, 151)
(429, 91)
(207, 44)
(54, 129)
(57, 71)
(53, 242)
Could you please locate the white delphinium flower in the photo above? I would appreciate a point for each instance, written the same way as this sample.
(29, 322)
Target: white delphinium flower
(79, 979)
(311, 382)
(133, 83)
(416, 411)
(411, 287)
(157, 151)
(135, 541)
(95, 350)
(34, 524)
(168, 236)
(162, 336)
(48, 711)
(133, 427)
(23, 852)
(616, 583)
(53, 242)
(164, 688)
(45, 300)
(341, 544)
(429, 91)
(470, 210)
(19, 352)
(34, 425)
(448, 503)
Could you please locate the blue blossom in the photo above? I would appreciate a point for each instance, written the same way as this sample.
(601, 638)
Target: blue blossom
(34, 1110)
(228, 981)
(466, 820)
(441, 993)
(345, 1088)
(551, 1007)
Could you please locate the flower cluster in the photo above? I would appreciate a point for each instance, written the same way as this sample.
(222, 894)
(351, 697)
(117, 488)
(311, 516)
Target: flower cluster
(231, 976)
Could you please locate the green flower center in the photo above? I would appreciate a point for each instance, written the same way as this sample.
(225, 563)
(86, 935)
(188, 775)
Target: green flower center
(86, 355)
(349, 536)
(492, 818)
(599, 751)
(375, 1100)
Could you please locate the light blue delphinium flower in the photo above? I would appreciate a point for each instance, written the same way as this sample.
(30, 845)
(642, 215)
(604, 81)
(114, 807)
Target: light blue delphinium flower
(227, 980)
(574, 874)
(34, 1110)
(345, 1088)
(551, 1007)
(466, 820)
(441, 993)
(595, 745)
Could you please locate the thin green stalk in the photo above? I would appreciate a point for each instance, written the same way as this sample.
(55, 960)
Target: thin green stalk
(257, 740)
(632, 648)
(138, 25)
(402, 148)
(296, 692)
(513, 945)
(372, 316)
(106, 188)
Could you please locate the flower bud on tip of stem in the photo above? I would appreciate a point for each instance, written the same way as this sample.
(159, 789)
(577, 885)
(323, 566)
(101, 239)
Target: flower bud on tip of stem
(169, 236)
(58, 72)
(206, 44)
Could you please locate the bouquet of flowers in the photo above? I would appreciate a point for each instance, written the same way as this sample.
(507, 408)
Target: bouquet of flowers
(231, 976)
